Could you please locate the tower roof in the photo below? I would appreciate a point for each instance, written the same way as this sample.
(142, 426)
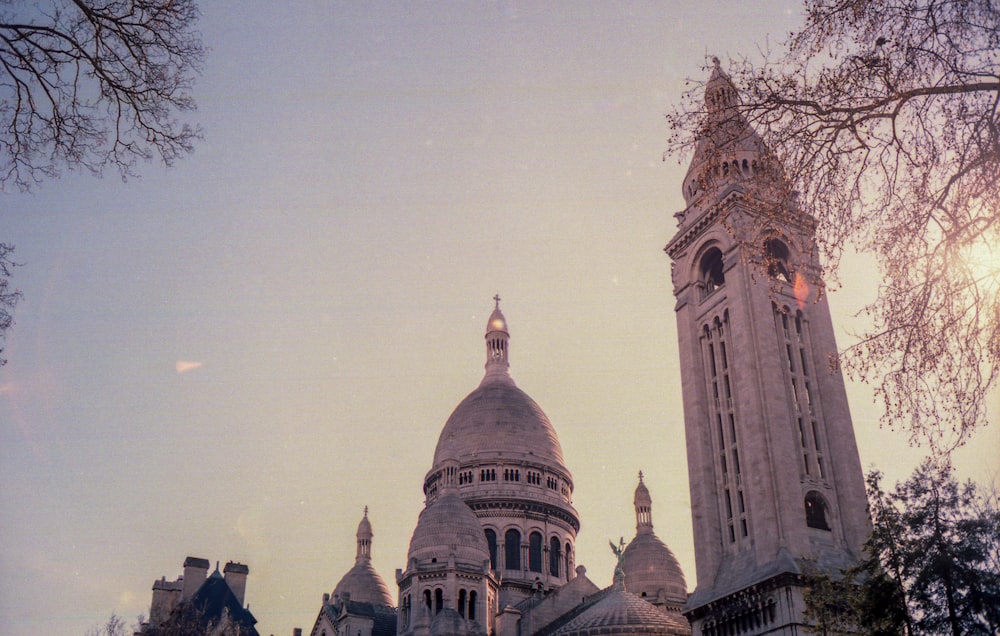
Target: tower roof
(728, 149)
(362, 582)
(651, 570)
(497, 417)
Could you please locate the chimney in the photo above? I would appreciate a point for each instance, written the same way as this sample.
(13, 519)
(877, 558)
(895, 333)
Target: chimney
(195, 573)
(236, 577)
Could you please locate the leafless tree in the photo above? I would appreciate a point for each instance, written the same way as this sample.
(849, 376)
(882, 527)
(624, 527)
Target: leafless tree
(885, 116)
(93, 83)
(8, 297)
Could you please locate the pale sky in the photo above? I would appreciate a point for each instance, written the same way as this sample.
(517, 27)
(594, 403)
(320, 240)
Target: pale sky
(231, 358)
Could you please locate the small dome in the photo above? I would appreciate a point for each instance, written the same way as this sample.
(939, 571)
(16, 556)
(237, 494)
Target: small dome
(621, 612)
(650, 566)
(365, 527)
(364, 584)
(447, 527)
(497, 322)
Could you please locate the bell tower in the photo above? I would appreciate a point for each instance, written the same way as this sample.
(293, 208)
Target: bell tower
(777, 490)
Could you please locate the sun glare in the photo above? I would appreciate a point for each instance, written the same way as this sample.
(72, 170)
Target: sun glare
(983, 260)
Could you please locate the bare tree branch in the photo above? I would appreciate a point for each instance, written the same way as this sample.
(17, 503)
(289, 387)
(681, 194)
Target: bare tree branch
(885, 116)
(91, 84)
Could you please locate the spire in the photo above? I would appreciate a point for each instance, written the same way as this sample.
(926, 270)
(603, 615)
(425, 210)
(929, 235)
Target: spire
(364, 535)
(721, 96)
(643, 508)
(497, 340)
(728, 152)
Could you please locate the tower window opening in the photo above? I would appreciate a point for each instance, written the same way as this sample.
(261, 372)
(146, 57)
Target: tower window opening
(461, 603)
(776, 259)
(427, 599)
(568, 555)
(512, 550)
(472, 605)
(438, 600)
(491, 543)
(535, 552)
(816, 511)
(711, 266)
(555, 555)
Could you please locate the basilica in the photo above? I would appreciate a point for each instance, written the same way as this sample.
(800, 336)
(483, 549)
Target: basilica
(777, 493)
(493, 549)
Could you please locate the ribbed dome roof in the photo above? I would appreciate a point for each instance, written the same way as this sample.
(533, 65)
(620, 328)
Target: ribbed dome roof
(498, 417)
(364, 584)
(448, 526)
(621, 612)
(650, 566)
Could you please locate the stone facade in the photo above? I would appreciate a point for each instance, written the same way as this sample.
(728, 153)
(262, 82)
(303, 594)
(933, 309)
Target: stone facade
(493, 549)
(776, 483)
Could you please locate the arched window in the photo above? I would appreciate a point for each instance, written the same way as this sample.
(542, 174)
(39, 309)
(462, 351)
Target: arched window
(461, 603)
(438, 600)
(427, 599)
(535, 552)
(776, 259)
(568, 555)
(710, 267)
(816, 511)
(555, 555)
(512, 550)
(491, 542)
(472, 605)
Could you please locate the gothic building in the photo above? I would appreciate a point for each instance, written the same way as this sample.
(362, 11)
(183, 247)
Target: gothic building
(776, 483)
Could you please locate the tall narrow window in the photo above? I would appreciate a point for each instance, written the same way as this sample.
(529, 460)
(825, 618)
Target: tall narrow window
(555, 555)
(535, 552)
(491, 542)
(722, 409)
(472, 605)
(438, 600)
(461, 603)
(512, 550)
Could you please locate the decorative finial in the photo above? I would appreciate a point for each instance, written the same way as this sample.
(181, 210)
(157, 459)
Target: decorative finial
(716, 62)
(496, 298)
(640, 476)
(366, 507)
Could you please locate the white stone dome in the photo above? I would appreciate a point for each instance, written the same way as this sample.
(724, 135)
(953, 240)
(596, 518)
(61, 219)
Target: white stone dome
(650, 568)
(499, 419)
(364, 584)
(448, 528)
